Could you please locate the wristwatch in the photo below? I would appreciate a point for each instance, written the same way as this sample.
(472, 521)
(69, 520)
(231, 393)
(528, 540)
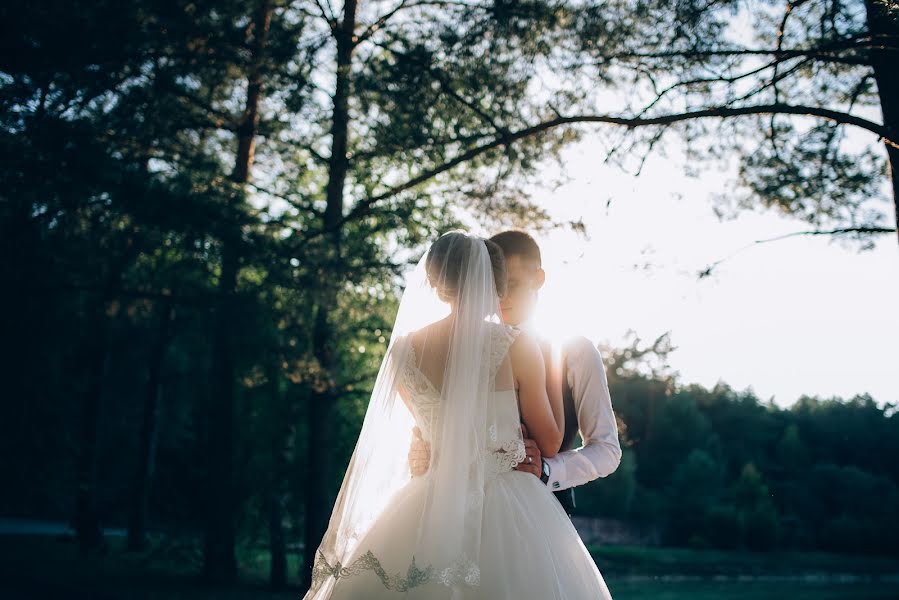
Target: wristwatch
(544, 477)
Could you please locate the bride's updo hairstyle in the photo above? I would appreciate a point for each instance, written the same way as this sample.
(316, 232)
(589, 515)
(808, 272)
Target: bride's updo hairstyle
(447, 261)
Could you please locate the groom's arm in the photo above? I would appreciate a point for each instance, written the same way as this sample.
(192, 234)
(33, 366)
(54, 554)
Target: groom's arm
(601, 452)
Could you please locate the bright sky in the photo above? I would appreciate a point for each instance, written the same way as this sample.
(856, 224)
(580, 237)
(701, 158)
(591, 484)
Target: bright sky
(802, 315)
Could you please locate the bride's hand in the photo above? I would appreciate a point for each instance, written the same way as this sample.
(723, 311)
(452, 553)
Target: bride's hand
(419, 454)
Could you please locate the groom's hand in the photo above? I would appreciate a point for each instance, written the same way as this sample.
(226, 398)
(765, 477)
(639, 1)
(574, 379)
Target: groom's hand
(532, 452)
(419, 454)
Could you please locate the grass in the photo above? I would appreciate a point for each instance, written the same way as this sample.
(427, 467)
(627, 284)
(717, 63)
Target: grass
(54, 568)
(619, 561)
(751, 590)
(42, 566)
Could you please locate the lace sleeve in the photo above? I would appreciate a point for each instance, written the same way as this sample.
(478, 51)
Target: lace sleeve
(503, 336)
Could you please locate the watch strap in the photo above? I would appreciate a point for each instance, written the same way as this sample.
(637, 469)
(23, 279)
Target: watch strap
(544, 471)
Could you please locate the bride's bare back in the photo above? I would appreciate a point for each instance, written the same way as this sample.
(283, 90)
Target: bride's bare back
(541, 412)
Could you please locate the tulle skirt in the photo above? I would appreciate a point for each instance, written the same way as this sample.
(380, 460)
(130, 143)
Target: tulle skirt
(530, 550)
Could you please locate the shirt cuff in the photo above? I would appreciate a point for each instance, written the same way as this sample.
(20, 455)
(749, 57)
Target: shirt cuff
(556, 481)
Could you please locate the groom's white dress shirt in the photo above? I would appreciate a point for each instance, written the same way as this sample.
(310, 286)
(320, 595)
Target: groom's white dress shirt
(601, 453)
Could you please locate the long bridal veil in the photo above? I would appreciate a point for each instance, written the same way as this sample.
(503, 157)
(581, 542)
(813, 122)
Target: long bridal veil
(454, 283)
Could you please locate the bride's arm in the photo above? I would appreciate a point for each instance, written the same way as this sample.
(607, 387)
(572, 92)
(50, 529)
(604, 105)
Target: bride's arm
(543, 415)
(552, 360)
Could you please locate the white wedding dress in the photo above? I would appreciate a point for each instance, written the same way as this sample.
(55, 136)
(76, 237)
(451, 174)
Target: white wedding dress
(529, 548)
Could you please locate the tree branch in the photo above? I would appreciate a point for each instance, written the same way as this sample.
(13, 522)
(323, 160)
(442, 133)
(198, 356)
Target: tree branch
(363, 207)
(861, 42)
(839, 231)
(380, 22)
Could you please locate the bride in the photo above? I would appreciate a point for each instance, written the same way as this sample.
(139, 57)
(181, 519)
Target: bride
(471, 527)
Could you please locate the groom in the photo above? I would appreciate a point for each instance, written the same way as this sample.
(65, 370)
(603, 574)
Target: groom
(585, 390)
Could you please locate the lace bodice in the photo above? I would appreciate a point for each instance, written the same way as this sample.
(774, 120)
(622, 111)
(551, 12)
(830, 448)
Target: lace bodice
(504, 438)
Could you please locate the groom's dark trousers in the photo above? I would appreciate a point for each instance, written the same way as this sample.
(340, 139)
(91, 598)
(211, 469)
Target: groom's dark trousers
(566, 499)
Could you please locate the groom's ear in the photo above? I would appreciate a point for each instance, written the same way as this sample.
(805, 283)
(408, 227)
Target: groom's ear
(540, 277)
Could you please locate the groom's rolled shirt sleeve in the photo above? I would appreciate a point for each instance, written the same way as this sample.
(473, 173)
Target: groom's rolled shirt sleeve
(601, 453)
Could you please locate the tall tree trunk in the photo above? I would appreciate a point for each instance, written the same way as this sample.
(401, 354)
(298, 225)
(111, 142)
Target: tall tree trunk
(220, 562)
(24, 267)
(146, 452)
(137, 522)
(883, 24)
(277, 538)
(280, 424)
(86, 520)
(319, 494)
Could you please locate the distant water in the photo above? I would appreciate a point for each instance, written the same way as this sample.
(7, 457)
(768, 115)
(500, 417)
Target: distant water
(755, 588)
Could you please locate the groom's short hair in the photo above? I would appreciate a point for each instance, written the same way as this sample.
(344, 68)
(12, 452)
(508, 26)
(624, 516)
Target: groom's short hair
(520, 243)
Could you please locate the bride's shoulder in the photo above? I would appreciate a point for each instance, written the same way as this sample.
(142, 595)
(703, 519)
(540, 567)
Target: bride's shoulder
(432, 333)
(502, 331)
(503, 327)
(521, 341)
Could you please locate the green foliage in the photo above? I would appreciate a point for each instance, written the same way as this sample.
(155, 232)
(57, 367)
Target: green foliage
(791, 453)
(615, 497)
(739, 474)
(719, 468)
(810, 175)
